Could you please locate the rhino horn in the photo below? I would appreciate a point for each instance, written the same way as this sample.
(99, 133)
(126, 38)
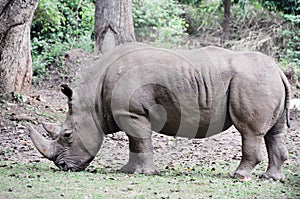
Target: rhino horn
(44, 146)
(52, 129)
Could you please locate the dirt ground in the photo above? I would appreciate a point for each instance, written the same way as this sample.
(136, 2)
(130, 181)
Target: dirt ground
(47, 104)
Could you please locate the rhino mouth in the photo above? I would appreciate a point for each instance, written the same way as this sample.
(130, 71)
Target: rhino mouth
(68, 167)
(72, 163)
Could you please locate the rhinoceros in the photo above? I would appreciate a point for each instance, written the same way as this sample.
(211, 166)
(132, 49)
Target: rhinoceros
(141, 89)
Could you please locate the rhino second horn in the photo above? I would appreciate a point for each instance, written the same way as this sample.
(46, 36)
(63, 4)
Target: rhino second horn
(44, 146)
(52, 129)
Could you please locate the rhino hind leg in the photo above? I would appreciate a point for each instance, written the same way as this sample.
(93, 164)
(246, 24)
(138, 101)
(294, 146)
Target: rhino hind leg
(140, 157)
(277, 152)
(251, 156)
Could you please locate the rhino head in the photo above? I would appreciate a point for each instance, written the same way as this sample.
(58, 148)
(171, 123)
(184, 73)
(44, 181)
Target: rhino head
(75, 143)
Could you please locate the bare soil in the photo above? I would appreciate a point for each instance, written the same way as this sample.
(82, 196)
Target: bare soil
(46, 103)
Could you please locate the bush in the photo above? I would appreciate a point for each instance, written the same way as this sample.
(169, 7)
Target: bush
(253, 27)
(204, 17)
(158, 20)
(290, 11)
(60, 25)
(287, 6)
(291, 34)
(57, 27)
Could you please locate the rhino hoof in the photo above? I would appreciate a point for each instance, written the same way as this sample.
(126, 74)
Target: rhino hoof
(139, 169)
(140, 163)
(274, 176)
(243, 177)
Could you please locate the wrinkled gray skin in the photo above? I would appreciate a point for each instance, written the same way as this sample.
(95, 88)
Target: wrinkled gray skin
(197, 93)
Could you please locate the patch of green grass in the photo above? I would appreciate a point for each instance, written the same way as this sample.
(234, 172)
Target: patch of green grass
(208, 181)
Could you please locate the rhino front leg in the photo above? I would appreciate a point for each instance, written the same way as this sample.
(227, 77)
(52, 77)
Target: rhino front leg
(251, 156)
(140, 157)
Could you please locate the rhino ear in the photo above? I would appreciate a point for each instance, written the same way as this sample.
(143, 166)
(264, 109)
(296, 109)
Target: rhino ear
(65, 89)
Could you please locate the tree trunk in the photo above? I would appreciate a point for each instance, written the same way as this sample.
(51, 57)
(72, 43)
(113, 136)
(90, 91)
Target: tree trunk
(225, 36)
(15, 57)
(113, 24)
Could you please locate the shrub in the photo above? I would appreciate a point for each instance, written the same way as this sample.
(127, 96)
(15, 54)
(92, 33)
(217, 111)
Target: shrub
(290, 11)
(204, 17)
(58, 26)
(287, 6)
(158, 20)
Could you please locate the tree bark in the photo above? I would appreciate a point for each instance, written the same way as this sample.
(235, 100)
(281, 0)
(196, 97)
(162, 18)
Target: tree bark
(225, 36)
(113, 24)
(15, 57)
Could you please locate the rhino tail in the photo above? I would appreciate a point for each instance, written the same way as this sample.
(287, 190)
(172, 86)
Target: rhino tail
(287, 97)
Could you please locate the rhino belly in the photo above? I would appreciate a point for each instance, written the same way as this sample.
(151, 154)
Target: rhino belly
(171, 121)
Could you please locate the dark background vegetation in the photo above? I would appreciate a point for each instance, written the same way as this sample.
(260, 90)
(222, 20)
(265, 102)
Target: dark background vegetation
(269, 26)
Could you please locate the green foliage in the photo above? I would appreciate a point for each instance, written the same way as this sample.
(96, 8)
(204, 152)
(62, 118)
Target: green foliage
(204, 17)
(287, 39)
(159, 20)
(193, 3)
(58, 26)
(254, 26)
(291, 13)
(286, 6)
(291, 53)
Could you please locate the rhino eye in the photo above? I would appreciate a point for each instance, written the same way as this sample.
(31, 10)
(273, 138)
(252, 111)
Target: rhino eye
(67, 134)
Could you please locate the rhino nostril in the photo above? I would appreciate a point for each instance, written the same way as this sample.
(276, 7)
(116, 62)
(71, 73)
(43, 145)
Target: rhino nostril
(73, 169)
(63, 166)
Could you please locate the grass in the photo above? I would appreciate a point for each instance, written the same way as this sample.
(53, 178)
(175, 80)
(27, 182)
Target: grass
(43, 180)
